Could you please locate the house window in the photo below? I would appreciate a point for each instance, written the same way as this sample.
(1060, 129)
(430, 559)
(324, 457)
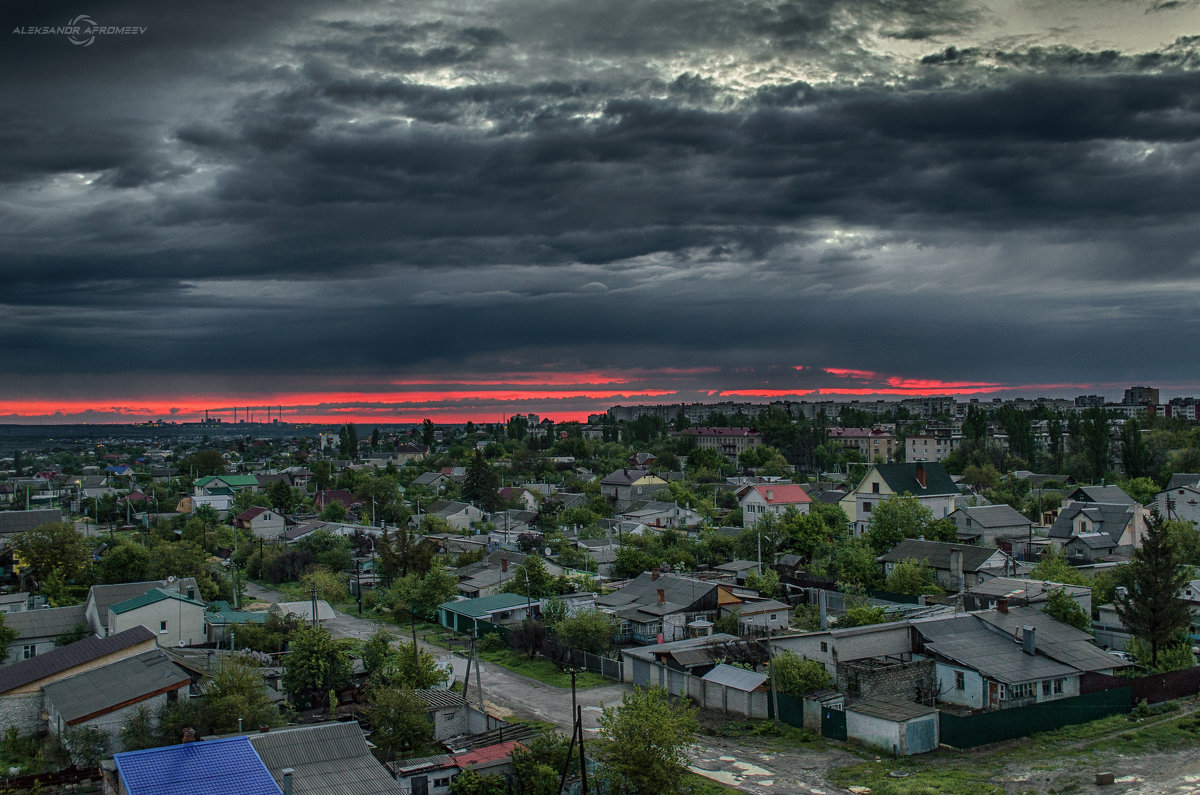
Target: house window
(874, 488)
(866, 507)
(1046, 687)
(28, 651)
(162, 626)
(441, 782)
(774, 616)
(824, 646)
(1058, 685)
(1022, 691)
(960, 681)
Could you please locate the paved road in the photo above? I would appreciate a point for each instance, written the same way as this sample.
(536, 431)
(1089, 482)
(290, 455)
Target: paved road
(508, 693)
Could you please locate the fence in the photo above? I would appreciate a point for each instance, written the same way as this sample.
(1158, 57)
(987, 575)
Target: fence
(1152, 689)
(605, 666)
(968, 731)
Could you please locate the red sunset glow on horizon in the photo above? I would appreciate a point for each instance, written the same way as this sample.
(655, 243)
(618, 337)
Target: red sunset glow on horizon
(561, 396)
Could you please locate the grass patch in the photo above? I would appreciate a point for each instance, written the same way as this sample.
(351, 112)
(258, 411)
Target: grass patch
(779, 737)
(918, 778)
(696, 784)
(541, 669)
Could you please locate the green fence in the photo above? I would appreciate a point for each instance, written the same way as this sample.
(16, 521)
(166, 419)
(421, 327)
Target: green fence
(1008, 724)
(791, 709)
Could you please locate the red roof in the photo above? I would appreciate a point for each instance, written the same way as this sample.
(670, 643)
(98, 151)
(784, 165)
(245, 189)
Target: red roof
(482, 756)
(251, 513)
(783, 494)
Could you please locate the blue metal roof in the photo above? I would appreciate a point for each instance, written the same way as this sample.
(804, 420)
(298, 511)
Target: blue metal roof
(213, 767)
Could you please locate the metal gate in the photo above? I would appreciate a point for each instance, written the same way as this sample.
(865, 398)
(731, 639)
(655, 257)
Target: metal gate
(833, 723)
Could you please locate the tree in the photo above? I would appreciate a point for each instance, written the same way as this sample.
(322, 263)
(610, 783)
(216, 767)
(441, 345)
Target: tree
(202, 463)
(766, 584)
(1135, 455)
(482, 483)
(644, 742)
(1094, 440)
(328, 585)
(87, 745)
(538, 763)
(418, 670)
(795, 676)
(315, 663)
(1152, 609)
(53, 546)
(237, 690)
(1054, 567)
(590, 630)
(138, 732)
(398, 723)
(469, 782)
(7, 636)
(125, 562)
(348, 442)
(421, 595)
(333, 512)
(911, 577)
(896, 518)
(1061, 607)
(427, 433)
(75, 633)
(377, 651)
(531, 579)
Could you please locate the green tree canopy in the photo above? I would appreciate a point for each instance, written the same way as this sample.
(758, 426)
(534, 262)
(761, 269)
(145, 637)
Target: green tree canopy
(397, 719)
(896, 518)
(54, 546)
(237, 690)
(1152, 609)
(1061, 607)
(315, 663)
(795, 676)
(911, 577)
(644, 742)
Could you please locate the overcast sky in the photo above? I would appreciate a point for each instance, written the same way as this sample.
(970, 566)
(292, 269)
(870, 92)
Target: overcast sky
(466, 208)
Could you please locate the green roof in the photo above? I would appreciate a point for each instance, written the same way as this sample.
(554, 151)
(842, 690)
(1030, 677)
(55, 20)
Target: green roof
(149, 598)
(902, 479)
(478, 608)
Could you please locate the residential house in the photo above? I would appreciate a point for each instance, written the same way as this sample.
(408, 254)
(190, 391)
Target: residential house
(464, 615)
(107, 697)
(631, 484)
(432, 480)
(102, 597)
(514, 495)
(37, 630)
(1180, 502)
(729, 442)
(459, 515)
(986, 525)
(930, 483)
(873, 444)
(224, 485)
(1119, 522)
(759, 616)
(931, 447)
(1015, 592)
(176, 618)
(758, 501)
(661, 515)
(326, 759)
(221, 621)
(955, 566)
(303, 610)
(654, 608)
(434, 775)
(225, 766)
(13, 523)
(451, 716)
(21, 697)
(266, 523)
(1084, 548)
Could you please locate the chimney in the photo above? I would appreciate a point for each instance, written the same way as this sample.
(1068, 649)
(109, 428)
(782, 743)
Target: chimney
(654, 574)
(263, 728)
(503, 564)
(287, 780)
(1001, 605)
(921, 475)
(189, 735)
(1028, 640)
(956, 568)
(662, 596)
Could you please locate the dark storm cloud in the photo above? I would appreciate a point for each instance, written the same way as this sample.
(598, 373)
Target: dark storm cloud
(371, 188)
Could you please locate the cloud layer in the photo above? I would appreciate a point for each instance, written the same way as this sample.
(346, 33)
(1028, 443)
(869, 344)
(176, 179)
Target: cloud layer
(311, 199)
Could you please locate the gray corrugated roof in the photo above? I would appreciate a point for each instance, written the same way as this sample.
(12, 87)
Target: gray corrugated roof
(937, 553)
(441, 699)
(890, 709)
(124, 681)
(20, 521)
(329, 759)
(737, 678)
(966, 641)
(45, 623)
(996, 516)
(643, 591)
(1111, 495)
(67, 657)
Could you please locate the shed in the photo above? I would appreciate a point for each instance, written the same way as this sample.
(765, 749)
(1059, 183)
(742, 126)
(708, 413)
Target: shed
(902, 727)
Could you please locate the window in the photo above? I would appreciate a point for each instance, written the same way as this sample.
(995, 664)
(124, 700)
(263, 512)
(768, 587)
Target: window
(28, 651)
(774, 616)
(960, 681)
(162, 626)
(1058, 685)
(824, 646)
(441, 782)
(866, 507)
(874, 488)
(1046, 687)
(1021, 691)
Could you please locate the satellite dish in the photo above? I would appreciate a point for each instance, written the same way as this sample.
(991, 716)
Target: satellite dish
(549, 552)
